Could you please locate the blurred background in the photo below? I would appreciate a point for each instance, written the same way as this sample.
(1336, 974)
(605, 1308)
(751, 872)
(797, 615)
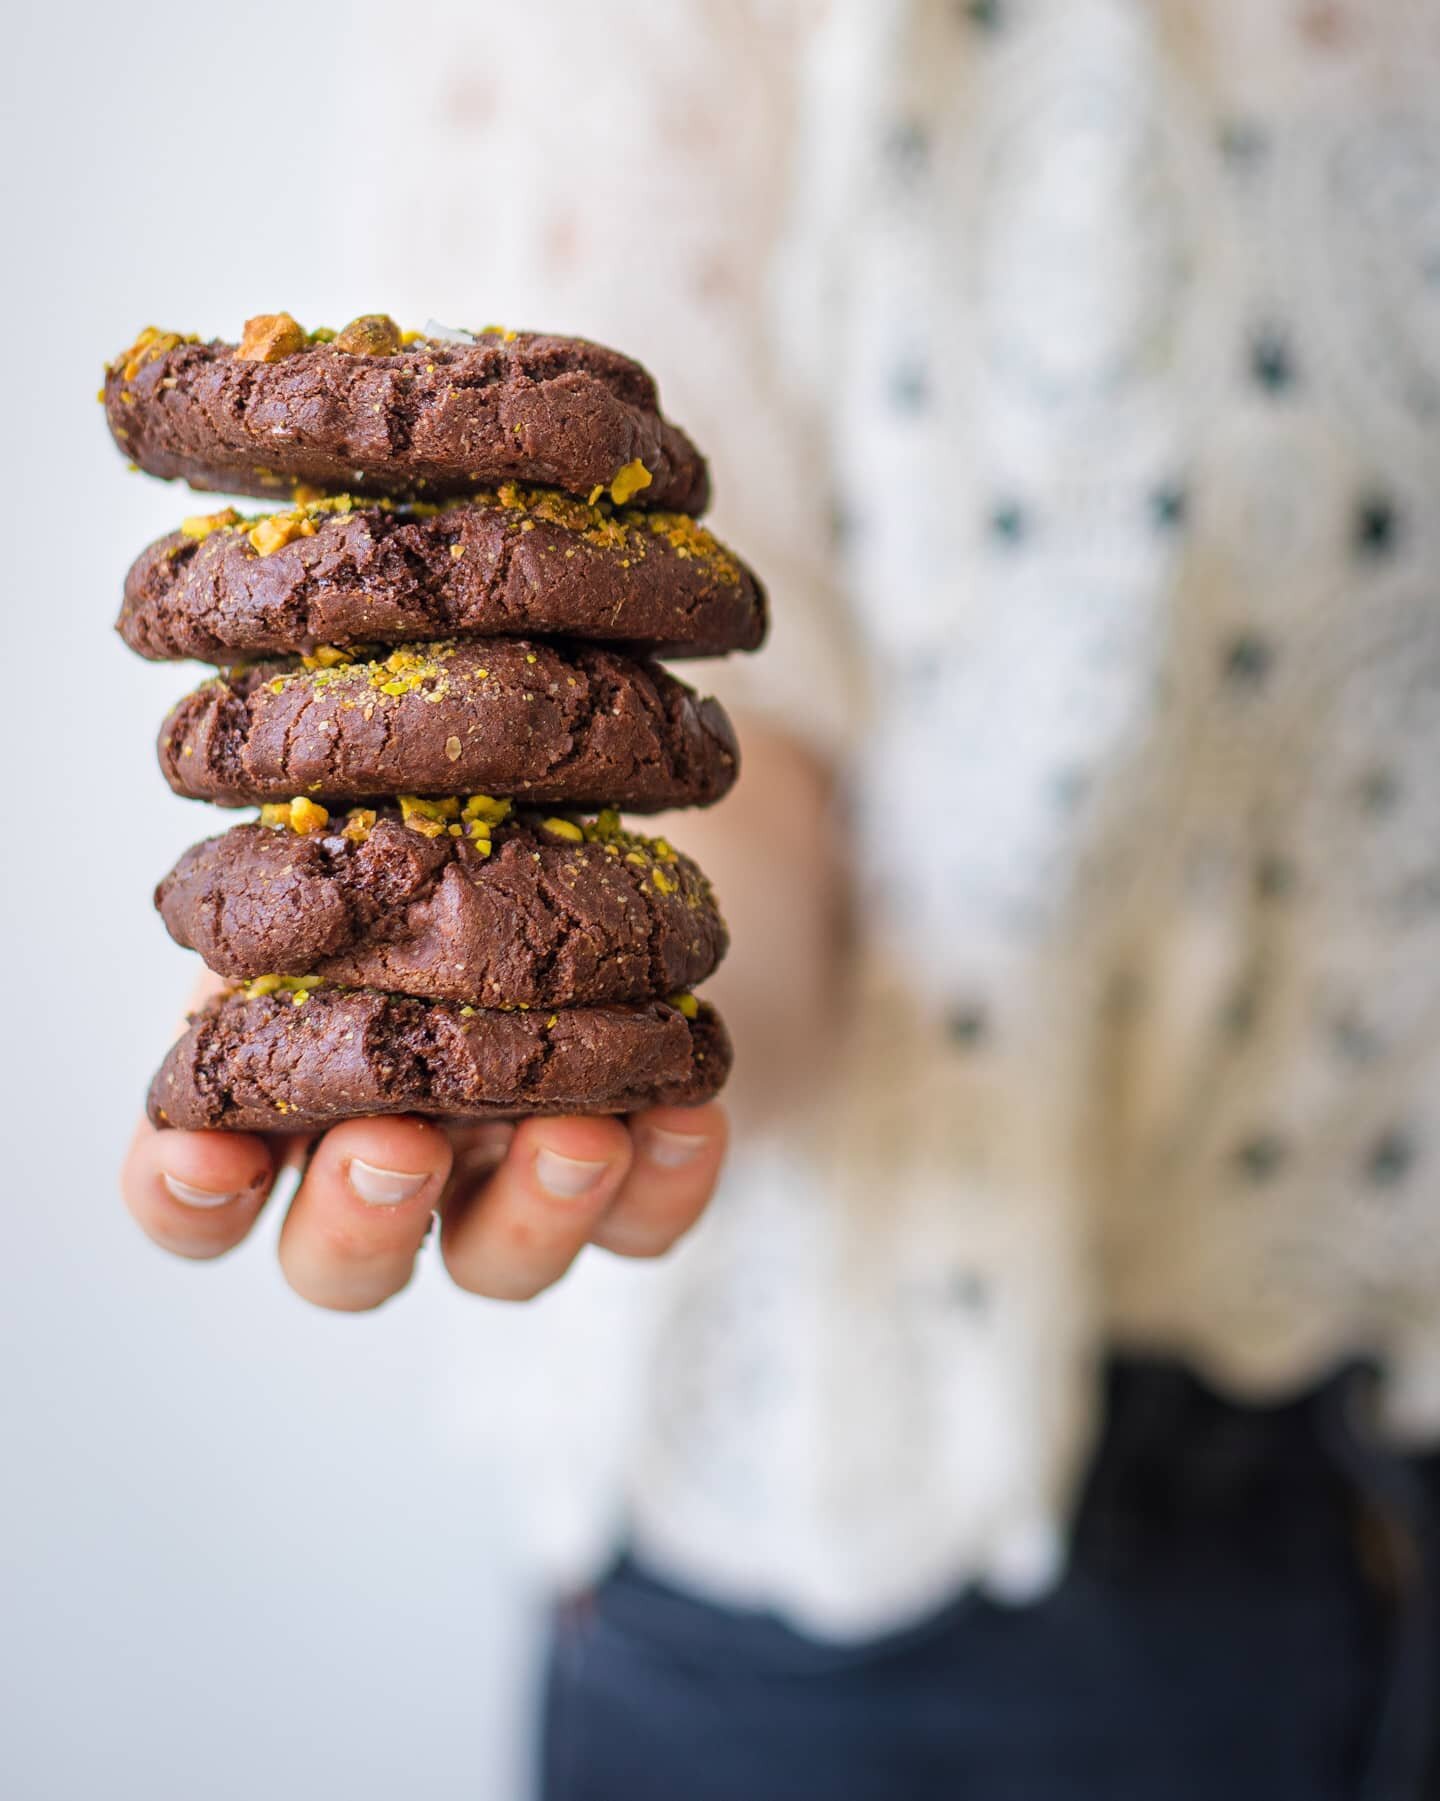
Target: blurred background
(1127, 361)
(186, 1450)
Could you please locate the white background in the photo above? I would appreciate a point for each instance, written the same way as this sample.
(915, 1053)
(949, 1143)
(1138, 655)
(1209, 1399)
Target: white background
(240, 1556)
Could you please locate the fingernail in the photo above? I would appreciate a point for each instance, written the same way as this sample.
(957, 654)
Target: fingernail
(382, 1187)
(672, 1150)
(190, 1196)
(566, 1177)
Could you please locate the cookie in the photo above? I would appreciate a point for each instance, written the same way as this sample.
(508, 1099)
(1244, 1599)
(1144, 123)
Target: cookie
(370, 413)
(560, 725)
(266, 1064)
(436, 900)
(523, 562)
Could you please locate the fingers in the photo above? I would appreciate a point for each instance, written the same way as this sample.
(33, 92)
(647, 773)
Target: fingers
(196, 1193)
(677, 1157)
(361, 1213)
(528, 1223)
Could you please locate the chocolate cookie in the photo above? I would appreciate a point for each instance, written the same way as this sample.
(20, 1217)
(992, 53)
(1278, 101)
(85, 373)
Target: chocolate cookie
(375, 411)
(521, 562)
(266, 1064)
(453, 900)
(566, 725)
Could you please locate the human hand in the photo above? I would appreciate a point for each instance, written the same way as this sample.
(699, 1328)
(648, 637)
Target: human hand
(517, 1204)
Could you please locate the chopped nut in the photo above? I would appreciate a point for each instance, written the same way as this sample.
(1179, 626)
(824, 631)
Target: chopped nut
(629, 480)
(372, 334)
(269, 338)
(200, 525)
(452, 749)
(665, 883)
(151, 343)
(359, 823)
(686, 1004)
(327, 656)
(563, 828)
(487, 809)
(307, 496)
(428, 817)
(280, 529)
(307, 816)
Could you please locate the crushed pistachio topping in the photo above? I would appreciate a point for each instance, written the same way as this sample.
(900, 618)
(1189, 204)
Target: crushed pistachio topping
(275, 533)
(269, 338)
(150, 344)
(300, 815)
(200, 525)
(406, 670)
(628, 481)
(563, 828)
(685, 1003)
(299, 988)
(625, 532)
(359, 823)
(428, 817)
(372, 334)
(328, 656)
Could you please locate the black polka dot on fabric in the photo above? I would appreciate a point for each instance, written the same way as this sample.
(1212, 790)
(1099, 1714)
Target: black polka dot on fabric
(1168, 507)
(1377, 528)
(1378, 791)
(1240, 1012)
(1353, 1038)
(1069, 787)
(1246, 660)
(1259, 1158)
(1243, 143)
(1390, 1159)
(1125, 995)
(1009, 523)
(1274, 877)
(908, 389)
(841, 521)
(1272, 361)
(967, 1025)
(907, 147)
(967, 1292)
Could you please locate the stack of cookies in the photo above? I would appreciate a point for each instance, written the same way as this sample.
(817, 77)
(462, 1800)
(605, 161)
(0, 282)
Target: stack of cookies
(435, 681)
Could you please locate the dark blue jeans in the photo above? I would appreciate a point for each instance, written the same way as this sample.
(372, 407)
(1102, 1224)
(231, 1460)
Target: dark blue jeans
(1248, 1616)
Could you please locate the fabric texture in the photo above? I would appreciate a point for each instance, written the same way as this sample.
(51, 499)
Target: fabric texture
(1251, 1611)
(1070, 370)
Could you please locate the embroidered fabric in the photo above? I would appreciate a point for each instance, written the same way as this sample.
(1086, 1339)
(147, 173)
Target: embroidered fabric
(1071, 368)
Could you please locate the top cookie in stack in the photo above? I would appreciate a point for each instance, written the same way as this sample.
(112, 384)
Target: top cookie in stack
(444, 633)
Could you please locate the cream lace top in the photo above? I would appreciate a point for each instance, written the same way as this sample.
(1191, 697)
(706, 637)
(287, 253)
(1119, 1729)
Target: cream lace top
(1071, 368)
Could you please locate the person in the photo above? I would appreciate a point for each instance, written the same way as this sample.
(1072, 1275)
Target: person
(1042, 1406)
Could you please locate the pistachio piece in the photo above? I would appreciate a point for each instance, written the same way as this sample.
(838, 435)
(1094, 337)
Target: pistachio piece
(372, 334)
(269, 338)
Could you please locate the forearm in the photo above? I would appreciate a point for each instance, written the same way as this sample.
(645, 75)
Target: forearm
(772, 852)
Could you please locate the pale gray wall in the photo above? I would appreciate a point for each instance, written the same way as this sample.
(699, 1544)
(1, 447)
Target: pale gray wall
(238, 1557)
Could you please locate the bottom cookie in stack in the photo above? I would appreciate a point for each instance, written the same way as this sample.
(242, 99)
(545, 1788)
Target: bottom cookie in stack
(446, 956)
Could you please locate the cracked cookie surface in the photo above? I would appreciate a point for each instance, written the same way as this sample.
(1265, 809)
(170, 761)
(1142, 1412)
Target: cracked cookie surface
(528, 917)
(431, 419)
(518, 562)
(558, 724)
(266, 1064)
